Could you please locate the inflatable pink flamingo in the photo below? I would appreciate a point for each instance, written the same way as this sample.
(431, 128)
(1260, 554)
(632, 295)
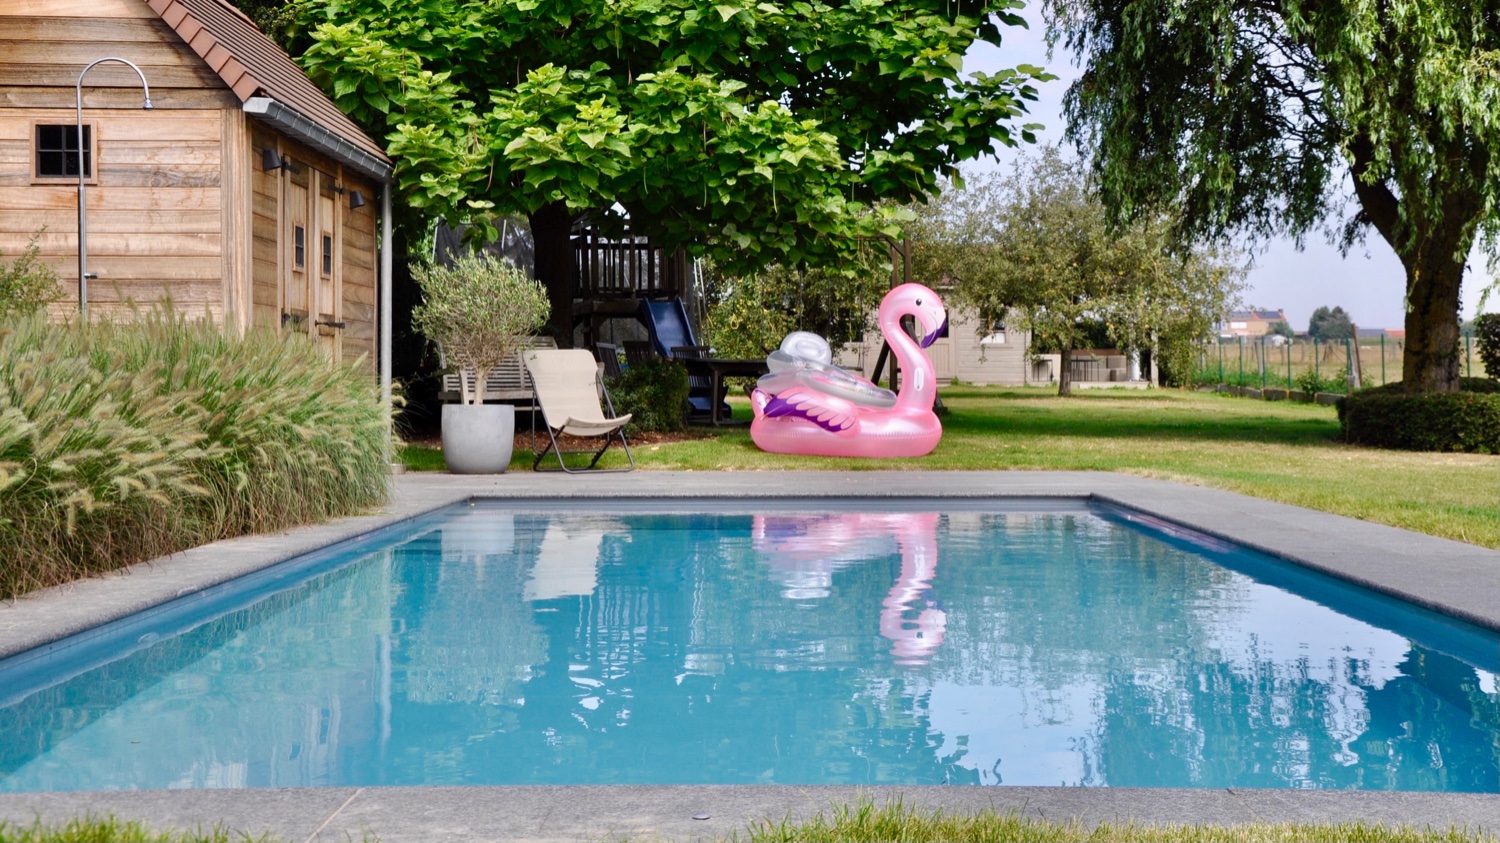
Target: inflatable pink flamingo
(913, 641)
(811, 416)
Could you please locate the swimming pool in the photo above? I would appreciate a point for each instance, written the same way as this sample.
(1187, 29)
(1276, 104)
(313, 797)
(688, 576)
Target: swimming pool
(1023, 642)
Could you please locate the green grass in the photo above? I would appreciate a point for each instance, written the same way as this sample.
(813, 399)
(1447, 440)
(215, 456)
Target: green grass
(1281, 451)
(93, 829)
(894, 822)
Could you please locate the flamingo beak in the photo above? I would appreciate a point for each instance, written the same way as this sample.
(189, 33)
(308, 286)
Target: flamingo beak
(933, 337)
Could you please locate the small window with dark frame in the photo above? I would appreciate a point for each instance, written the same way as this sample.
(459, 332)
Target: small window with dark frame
(299, 247)
(328, 254)
(57, 151)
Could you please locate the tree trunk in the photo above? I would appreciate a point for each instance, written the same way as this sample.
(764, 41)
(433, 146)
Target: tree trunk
(1429, 362)
(1065, 375)
(551, 231)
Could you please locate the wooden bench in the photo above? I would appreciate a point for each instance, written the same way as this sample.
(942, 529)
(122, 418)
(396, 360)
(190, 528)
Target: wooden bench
(507, 383)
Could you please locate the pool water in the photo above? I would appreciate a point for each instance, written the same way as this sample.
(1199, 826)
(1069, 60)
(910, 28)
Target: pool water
(1017, 643)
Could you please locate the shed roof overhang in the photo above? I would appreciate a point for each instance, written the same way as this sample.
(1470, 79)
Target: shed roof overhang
(302, 128)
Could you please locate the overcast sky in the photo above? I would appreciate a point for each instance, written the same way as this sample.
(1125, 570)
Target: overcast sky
(1369, 283)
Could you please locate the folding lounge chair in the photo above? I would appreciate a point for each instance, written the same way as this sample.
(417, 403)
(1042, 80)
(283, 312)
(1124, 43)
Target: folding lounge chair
(568, 391)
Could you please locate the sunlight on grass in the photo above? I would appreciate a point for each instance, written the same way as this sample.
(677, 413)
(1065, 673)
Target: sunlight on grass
(895, 822)
(1279, 451)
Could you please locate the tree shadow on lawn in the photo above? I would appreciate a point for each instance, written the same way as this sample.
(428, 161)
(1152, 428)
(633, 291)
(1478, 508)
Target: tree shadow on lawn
(1000, 414)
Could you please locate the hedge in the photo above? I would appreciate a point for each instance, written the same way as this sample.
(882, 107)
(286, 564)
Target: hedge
(1388, 417)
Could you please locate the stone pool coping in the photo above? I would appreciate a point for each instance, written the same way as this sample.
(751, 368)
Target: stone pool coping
(1452, 577)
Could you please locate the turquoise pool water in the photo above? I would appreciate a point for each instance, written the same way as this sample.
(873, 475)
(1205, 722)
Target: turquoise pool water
(1028, 642)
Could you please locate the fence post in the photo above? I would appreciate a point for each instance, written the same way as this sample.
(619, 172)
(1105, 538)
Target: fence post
(1316, 374)
(1220, 343)
(1382, 359)
(1468, 357)
(1241, 381)
(1288, 348)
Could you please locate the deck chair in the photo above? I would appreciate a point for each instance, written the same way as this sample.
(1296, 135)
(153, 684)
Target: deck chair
(568, 390)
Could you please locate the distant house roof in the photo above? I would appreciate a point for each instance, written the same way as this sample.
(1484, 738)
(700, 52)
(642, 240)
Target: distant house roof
(1396, 333)
(1269, 315)
(253, 66)
(1374, 332)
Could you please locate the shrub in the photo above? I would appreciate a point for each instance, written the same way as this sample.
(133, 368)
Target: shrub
(26, 284)
(120, 442)
(1487, 338)
(656, 392)
(1388, 417)
(1312, 382)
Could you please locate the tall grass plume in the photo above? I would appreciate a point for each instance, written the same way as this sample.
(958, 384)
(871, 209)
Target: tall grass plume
(125, 440)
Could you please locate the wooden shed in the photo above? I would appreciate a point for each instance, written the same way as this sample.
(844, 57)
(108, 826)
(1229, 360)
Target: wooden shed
(243, 191)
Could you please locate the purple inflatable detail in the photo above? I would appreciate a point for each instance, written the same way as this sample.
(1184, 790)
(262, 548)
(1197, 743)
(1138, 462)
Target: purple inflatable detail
(798, 407)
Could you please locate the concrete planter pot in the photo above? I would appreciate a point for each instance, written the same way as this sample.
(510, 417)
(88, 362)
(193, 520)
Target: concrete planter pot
(477, 438)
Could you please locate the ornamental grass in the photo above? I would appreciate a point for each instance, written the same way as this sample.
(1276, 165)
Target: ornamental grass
(122, 441)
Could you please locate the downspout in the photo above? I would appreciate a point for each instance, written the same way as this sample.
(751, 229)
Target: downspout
(385, 312)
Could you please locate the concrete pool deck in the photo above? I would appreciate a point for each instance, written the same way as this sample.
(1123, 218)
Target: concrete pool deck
(1455, 578)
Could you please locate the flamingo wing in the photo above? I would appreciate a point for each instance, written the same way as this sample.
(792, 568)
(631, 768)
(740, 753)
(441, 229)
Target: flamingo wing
(834, 415)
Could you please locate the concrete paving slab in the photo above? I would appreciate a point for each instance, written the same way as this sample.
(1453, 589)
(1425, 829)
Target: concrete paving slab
(671, 813)
(292, 814)
(1477, 811)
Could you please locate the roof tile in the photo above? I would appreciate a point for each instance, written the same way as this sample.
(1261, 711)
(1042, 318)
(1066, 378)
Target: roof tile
(255, 64)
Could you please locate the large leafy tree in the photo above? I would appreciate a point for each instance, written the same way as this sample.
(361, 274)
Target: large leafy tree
(750, 131)
(1246, 116)
(1034, 247)
(1326, 324)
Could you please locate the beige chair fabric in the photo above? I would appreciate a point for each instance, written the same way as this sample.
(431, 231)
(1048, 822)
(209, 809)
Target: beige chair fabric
(568, 390)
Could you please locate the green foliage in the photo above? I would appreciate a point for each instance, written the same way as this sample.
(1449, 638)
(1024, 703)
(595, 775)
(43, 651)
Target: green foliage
(1326, 325)
(276, 18)
(26, 284)
(120, 442)
(1241, 116)
(1390, 417)
(757, 132)
(1313, 382)
(655, 392)
(1035, 248)
(1487, 339)
(478, 311)
(748, 316)
(1282, 329)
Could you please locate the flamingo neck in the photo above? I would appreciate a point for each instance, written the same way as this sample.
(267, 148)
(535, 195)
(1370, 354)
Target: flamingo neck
(918, 378)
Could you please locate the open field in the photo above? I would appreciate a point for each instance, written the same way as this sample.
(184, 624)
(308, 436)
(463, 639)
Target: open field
(1255, 364)
(1280, 451)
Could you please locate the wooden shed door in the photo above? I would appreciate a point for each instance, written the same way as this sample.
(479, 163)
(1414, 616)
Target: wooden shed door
(300, 254)
(328, 298)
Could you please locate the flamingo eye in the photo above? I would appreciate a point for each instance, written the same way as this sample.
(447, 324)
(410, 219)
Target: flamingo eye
(919, 302)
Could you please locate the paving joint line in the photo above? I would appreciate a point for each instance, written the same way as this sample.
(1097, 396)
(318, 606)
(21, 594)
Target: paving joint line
(331, 817)
(1244, 804)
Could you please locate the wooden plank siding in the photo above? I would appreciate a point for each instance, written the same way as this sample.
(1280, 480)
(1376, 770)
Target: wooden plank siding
(359, 288)
(157, 212)
(180, 205)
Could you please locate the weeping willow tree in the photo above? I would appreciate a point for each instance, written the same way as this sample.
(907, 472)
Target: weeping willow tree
(1251, 117)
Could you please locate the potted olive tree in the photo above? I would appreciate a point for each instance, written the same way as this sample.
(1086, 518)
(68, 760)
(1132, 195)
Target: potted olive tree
(478, 311)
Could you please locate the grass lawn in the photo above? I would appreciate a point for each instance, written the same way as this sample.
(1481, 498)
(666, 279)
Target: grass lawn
(1280, 451)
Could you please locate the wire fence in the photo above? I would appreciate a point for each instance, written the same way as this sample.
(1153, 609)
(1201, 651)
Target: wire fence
(1313, 365)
